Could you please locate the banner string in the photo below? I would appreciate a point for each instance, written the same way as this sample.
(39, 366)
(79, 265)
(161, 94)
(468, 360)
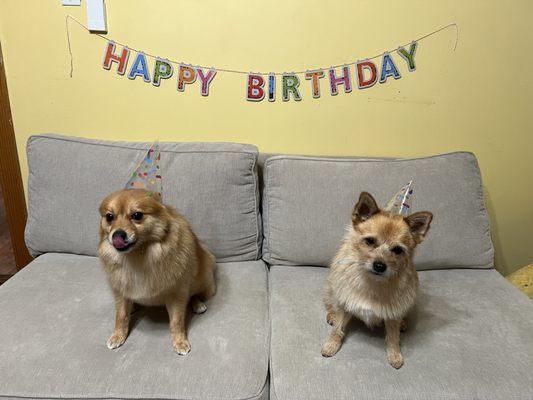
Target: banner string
(236, 71)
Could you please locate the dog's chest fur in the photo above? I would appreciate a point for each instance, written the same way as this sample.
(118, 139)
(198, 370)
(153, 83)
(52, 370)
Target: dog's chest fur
(133, 281)
(370, 300)
(147, 279)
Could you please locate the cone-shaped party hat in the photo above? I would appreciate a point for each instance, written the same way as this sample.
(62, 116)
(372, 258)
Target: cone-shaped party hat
(147, 175)
(402, 201)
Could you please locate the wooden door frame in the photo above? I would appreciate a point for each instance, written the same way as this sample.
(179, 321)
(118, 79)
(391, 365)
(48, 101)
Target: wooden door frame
(10, 176)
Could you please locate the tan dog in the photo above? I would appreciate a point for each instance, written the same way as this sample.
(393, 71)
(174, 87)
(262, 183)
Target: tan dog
(372, 276)
(152, 257)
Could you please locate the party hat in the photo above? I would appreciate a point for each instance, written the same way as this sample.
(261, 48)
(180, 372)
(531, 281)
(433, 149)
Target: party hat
(402, 200)
(147, 175)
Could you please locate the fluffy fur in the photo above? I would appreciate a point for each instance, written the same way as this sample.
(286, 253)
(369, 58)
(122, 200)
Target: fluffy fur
(152, 257)
(372, 276)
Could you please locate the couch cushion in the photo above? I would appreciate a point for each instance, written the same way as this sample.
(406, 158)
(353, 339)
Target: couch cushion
(469, 336)
(57, 313)
(214, 185)
(307, 203)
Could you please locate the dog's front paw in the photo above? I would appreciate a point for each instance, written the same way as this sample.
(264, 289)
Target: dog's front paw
(182, 347)
(116, 340)
(395, 359)
(330, 348)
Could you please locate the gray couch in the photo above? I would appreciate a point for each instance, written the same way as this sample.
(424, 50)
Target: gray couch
(273, 228)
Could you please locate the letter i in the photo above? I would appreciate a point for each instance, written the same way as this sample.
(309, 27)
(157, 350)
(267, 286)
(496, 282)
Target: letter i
(271, 87)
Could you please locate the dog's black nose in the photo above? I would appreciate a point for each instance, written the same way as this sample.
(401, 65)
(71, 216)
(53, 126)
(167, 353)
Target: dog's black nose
(119, 233)
(379, 267)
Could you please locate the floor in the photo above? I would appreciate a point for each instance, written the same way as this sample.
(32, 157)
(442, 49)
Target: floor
(7, 261)
(523, 280)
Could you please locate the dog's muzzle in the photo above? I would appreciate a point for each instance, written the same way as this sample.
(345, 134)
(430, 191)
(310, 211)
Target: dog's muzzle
(379, 267)
(120, 240)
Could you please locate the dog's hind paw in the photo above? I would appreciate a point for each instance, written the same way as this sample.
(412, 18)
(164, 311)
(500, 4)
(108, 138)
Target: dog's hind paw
(395, 360)
(182, 347)
(115, 340)
(198, 307)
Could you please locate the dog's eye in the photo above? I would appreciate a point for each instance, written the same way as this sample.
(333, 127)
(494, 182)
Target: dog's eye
(137, 216)
(109, 217)
(370, 241)
(397, 250)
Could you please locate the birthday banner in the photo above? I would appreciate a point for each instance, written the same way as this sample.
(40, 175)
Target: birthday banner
(363, 74)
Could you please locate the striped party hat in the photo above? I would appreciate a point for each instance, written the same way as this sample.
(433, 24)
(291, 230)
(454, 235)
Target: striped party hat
(402, 201)
(147, 175)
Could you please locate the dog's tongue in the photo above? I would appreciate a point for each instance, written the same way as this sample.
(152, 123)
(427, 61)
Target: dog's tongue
(119, 242)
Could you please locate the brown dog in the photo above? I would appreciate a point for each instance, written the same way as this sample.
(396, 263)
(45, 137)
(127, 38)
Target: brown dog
(372, 276)
(152, 257)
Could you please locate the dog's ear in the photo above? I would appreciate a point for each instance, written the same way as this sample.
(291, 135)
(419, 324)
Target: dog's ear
(365, 208)
(104, 206)
(419, 224)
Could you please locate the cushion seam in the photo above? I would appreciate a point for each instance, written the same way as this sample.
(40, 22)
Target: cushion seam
(272, 384)
(29, 222)
(36, 137)
(256, 207)
(484, 211)
(269, 216)
(341, 159)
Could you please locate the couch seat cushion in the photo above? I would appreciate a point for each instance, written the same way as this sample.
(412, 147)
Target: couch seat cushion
(57, 313)
(470, 336)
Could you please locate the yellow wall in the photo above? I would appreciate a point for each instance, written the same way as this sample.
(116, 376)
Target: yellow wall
(477, 98)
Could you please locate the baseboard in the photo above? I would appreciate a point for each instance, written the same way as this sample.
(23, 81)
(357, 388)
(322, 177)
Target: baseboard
(4, 278)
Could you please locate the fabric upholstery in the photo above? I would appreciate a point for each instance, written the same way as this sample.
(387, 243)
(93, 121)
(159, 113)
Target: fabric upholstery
(307, 203)
(57, 313)
(214, 185)
(468, 337)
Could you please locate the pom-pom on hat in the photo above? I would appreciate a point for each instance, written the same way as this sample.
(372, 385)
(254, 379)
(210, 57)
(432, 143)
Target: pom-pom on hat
(402, 201)
(147, 175)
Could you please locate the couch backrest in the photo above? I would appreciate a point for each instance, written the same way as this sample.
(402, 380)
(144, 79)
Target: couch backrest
(214, 185)
(307, 203)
